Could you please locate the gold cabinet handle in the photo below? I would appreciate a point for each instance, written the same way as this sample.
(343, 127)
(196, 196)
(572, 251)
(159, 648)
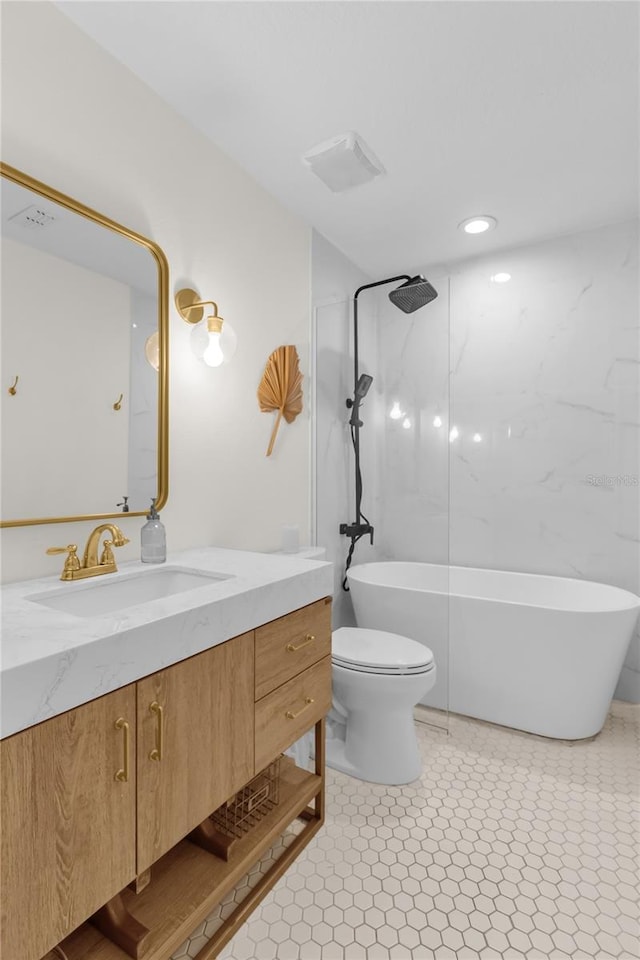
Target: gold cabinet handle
(156, 753)
(122, 776)
(307, 702)
(292, 647)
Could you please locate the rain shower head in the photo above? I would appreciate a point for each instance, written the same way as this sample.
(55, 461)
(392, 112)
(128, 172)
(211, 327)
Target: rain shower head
(413, 294)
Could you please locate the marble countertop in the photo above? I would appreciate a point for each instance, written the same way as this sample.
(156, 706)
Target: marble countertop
(51, 661)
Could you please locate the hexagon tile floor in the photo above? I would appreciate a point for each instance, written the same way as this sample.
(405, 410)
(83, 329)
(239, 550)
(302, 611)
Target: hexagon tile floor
(508, 846)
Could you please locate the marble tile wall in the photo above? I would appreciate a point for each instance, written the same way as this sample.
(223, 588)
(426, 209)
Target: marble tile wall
(546, 371)
(412, 443)
(537, 467)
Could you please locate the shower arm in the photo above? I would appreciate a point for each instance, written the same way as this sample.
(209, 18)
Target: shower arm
(359, 528)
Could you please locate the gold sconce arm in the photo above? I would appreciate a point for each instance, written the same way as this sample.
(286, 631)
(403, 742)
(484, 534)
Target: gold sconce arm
(190, 306)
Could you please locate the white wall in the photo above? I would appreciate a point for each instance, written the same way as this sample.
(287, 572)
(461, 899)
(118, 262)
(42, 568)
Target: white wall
(75, 118)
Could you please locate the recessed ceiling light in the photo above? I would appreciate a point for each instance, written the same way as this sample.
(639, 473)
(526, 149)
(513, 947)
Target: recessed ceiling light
(479, 224)
(501, 278)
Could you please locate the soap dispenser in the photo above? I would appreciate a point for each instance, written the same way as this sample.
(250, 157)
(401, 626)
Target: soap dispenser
(153, 539)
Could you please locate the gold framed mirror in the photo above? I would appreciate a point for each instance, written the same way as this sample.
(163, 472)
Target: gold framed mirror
(84, 361)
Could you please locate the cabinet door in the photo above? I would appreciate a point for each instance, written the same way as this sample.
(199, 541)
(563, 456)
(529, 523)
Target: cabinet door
(68, 824)
(195, 742)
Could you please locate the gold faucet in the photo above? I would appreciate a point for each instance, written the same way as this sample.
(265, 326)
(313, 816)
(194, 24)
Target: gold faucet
(90, 567)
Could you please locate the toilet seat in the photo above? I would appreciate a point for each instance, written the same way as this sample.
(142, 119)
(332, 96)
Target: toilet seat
(375, 651)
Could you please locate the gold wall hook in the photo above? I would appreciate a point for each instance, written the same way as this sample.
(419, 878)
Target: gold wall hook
(12, 389)
(118, 404)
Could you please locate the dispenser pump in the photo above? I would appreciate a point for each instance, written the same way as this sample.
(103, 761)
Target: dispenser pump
(153, 540)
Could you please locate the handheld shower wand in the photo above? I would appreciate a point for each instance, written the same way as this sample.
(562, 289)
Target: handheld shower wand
(360, 392)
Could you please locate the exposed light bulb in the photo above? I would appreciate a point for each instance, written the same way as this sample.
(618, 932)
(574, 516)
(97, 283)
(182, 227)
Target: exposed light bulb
(152, 350)
(501, 278)
(477, 438)
(437, 422)
(213, 355)
(454, 433)
(396, 413)
(406, 423)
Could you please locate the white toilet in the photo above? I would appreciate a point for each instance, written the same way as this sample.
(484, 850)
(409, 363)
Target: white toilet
(378, 678)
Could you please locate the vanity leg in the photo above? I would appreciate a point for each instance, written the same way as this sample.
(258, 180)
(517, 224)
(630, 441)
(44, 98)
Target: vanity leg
(207, 836)
(115, 922)
(316, 812)
(320, 767)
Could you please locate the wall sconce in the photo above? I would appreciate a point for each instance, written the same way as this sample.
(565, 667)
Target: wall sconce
(213, 340)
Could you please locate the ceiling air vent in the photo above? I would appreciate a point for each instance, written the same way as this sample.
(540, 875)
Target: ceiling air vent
(344, 162)
(32, 217)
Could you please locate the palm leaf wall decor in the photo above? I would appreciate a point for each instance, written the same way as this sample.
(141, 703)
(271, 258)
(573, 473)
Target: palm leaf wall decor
(281, 388)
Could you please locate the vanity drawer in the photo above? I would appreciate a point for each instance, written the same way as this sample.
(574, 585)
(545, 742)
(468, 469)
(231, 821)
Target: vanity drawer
(287, 646)
(284, 715)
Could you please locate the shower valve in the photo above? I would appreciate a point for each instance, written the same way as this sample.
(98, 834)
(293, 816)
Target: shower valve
(357, 530)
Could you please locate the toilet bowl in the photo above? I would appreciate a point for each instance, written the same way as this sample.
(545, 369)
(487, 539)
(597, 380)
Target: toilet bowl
(378, 678)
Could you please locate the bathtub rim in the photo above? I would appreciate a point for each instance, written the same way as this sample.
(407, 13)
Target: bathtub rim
(631, 600)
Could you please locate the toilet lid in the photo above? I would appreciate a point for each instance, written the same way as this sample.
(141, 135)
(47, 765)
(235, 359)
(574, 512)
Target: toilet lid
(375, 651)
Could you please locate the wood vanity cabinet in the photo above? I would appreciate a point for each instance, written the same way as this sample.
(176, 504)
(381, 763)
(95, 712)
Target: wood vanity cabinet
(94, 798)
(68, 807)
(195, 742)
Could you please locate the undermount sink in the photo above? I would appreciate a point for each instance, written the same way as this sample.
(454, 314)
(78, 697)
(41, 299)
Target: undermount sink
(110, 596)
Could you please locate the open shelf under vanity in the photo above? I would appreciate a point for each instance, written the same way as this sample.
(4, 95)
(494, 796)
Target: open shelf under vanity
(188, 882)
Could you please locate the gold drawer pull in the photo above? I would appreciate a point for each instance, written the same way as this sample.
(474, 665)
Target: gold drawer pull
(292, 647)
(156, 753)
(122, 776)
(292, 716)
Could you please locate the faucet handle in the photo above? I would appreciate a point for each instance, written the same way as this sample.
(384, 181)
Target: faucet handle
(107, 553)
(71, 564)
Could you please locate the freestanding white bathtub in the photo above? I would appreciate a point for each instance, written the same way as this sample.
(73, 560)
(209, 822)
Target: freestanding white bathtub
(538, 653)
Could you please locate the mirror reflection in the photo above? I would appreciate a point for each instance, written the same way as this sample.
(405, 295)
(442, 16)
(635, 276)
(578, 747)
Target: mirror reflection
(82, 366)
